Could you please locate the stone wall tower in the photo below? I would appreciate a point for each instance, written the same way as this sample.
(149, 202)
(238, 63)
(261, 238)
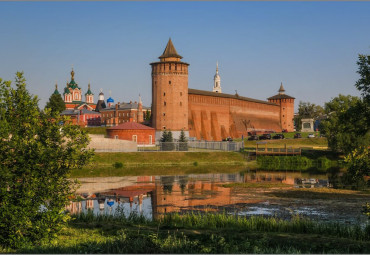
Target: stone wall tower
(286, 109)
(170, 93)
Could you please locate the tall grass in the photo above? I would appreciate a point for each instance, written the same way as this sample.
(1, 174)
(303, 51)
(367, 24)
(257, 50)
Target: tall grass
(259, 223)
(203, 233)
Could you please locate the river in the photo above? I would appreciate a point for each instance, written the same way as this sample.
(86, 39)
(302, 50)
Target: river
(153, 196)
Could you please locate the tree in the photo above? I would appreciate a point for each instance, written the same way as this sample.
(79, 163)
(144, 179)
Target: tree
(36, 156)
(167, 141)
(307, 110)
(55, 103)
(147, 115)
(344, 124)
(183, 142)
(347, 127)
(363, 84)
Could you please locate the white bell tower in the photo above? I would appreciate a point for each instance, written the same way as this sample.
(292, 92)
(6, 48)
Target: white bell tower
(217, 81)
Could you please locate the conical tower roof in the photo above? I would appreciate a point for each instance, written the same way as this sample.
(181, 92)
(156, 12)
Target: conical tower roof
(56, 92)
(281, 89)
(89, 91)
(170, 51)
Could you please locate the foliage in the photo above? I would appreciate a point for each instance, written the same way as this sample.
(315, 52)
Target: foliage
(118, 165)
(55, 104)
(292, 163)
(359, 163)
(363, 84)
(147, 115)
(366, 210)
(36, 156)
(167, 141)
(183, 142)
(307, 110)
(347, 125)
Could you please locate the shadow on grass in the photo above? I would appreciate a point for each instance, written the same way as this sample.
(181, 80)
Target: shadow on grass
(206, 241)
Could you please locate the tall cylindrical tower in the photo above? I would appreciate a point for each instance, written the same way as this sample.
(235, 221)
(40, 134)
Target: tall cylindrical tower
(170, 93)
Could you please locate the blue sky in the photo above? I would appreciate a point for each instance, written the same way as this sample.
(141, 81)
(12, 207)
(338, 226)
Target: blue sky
(311, 47)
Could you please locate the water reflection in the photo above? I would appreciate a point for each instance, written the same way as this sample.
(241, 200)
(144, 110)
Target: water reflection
(153, 196)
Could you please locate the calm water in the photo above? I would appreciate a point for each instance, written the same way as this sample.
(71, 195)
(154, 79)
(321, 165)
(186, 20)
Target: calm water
(154, 196)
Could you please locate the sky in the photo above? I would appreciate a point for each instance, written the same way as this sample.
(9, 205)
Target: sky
(310, 47)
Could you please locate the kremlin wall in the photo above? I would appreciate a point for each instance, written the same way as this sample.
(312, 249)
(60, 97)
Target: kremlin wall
(202, 115)
(206, 115)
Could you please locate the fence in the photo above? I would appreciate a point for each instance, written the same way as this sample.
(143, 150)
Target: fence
(193, 146)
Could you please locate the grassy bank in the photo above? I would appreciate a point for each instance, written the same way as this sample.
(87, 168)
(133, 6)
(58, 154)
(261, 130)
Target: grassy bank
(95, 130)
(315, 143)
(207, 233)
(163, 163)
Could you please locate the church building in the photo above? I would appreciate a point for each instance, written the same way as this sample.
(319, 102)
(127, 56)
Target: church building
(210, 115)
(72, 96)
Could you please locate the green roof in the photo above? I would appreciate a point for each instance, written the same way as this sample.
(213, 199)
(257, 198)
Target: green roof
(66, 91)
(89, 91)
(56, 92)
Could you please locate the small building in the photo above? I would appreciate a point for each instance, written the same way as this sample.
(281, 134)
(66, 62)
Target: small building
(133, 131)
(83, 117)
(119, 113)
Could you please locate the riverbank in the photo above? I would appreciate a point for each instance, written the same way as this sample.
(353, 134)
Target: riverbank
(207, 233)
(313, 143)
(163, 163)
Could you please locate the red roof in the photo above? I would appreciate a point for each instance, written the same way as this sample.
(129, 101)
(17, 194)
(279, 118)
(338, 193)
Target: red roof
(130, 126)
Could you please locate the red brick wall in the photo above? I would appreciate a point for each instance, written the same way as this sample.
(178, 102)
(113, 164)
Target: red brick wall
(215, 118)
(125, 134)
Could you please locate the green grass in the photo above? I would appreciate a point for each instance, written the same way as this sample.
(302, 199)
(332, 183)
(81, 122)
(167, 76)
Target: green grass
(203, 233)
(163, 163)
(96, 130)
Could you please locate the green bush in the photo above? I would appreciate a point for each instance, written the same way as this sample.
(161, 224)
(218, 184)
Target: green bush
(118, 164)
(36, 155)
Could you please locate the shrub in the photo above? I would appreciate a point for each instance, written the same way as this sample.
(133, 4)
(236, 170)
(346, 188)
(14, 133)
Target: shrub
(36, 155)
(118, 164)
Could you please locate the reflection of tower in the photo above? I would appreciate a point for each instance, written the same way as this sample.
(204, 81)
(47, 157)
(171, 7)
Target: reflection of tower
(141, 203)
(101, 202)
(110, 203)
(89, 204)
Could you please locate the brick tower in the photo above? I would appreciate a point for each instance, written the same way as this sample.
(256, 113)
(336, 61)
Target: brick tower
(286, 109)
(170, 93)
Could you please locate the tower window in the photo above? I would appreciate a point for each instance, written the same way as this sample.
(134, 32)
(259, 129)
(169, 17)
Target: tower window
(175, 67)
(169, 82)
(164, 93)
(164, 114)
(180, 103)
(169, 66)
(164, 127)
(164, 103)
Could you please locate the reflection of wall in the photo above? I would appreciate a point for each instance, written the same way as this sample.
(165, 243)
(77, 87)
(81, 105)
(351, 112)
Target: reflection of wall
(74, 207)
(197, 195)
(270, 177)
